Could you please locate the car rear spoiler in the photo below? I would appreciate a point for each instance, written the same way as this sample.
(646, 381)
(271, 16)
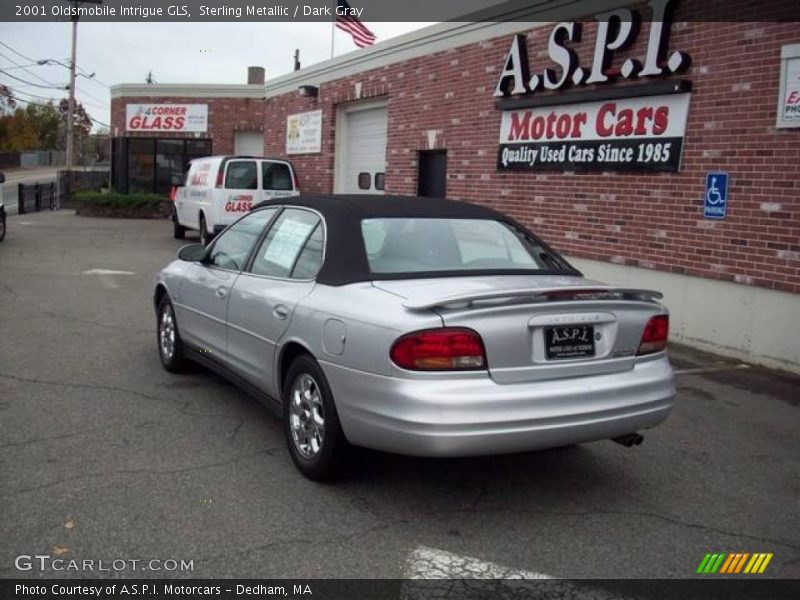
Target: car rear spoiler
(552, 294)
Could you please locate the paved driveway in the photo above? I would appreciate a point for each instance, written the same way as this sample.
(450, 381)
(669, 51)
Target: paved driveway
(103, 455)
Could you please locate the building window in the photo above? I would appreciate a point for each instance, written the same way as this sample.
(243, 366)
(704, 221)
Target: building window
(153, 165)
(364, 181)
(141, 165)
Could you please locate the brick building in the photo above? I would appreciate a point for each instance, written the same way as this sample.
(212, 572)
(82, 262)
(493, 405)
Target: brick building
(665, 157)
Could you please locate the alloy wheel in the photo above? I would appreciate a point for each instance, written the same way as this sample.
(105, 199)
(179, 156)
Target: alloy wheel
(307, 416)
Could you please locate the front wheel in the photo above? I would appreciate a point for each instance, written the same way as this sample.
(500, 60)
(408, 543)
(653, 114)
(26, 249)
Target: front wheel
(170, 346)
(311, 425)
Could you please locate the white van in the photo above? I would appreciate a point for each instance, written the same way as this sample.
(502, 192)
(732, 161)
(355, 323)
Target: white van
(218, 190)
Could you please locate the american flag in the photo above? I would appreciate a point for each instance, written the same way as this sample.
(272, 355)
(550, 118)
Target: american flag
(362, 37)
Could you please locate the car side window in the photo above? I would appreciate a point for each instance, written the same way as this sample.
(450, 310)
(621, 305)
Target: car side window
(310, 259)
(277, 176)
(231, 249)
(280, 251)
(241, 175)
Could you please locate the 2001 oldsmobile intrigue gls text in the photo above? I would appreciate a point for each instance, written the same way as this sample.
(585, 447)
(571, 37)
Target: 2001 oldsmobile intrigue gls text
(416, 326)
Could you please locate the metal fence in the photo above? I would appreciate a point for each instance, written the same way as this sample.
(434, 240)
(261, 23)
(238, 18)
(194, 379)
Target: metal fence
(52, 195)
(38, 196)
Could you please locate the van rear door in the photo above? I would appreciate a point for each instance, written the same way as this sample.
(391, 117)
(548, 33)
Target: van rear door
(277, 180)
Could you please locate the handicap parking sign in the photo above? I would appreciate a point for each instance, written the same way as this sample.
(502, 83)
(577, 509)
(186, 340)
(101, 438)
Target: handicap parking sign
(716, 200)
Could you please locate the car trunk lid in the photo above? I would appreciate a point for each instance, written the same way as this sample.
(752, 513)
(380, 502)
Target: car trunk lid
(539, 327)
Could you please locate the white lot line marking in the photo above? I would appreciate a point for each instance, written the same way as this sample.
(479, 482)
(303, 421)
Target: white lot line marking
(430, 563)
(710, 369)
(107, 272)
(105, 276)
(441, 575)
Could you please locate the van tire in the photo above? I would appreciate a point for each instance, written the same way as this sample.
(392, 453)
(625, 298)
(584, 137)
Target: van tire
(205, 237)
(178, 230)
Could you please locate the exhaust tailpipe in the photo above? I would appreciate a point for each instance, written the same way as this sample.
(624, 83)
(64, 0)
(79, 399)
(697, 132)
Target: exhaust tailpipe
(629, 440)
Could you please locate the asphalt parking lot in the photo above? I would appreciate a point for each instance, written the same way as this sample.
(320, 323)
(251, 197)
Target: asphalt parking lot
(104, 455)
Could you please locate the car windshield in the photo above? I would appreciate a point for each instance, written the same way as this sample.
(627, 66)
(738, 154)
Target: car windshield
(418, 245)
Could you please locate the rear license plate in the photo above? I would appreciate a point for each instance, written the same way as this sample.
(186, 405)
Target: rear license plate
(576, 341)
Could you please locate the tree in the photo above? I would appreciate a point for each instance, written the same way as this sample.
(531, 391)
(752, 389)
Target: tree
(7, 102)
(18, 133)
(81, 121)
(47, 121)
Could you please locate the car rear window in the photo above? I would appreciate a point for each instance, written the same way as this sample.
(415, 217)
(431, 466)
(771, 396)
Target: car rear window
(416, 245)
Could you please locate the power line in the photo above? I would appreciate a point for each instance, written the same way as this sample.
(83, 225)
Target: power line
(92, 119)
(39, 63)
(39, 85)
(16, 64)
(45, 98)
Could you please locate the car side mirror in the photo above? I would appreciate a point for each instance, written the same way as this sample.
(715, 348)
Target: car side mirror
(192, 253)
(2, 177)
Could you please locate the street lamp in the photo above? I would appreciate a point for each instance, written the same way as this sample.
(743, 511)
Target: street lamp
(71, 109)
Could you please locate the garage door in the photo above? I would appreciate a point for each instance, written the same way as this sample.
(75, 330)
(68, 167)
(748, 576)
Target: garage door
(363, 151)
(248, 143)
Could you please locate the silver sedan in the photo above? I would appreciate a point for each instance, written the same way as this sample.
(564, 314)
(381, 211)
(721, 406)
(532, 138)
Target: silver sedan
(416, 326)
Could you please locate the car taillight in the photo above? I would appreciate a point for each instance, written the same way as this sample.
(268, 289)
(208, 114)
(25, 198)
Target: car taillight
(173, 191)
(446, 349)
(220, 174)
(655, 335)
(296, 181)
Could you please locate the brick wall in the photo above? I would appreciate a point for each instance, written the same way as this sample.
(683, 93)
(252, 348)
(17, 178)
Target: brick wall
(225, 117)
(652, 221)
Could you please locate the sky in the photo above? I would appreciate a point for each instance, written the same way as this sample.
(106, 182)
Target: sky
(173, 52)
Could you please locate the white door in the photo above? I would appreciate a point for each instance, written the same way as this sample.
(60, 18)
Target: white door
(362, 160)
(248, 143)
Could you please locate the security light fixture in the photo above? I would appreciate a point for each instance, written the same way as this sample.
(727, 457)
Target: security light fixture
(308, 91)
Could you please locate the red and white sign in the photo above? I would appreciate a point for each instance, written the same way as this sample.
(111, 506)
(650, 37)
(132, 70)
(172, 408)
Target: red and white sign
(166, 117)
(642, 133)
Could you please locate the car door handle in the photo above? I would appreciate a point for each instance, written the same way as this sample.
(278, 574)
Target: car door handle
(221, 292)
(280, 311)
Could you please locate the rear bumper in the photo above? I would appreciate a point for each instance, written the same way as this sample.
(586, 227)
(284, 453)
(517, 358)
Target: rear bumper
(473, 415)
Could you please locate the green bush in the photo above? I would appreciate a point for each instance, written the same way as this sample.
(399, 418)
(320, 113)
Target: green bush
(117, 200)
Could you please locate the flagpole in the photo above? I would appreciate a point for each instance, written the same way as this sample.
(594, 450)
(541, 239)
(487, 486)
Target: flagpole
(333, 32)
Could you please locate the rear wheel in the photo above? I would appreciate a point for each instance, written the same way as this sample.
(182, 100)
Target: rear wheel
(313, 434)
(2, 227)
(178, 230)
(170, 346)
(205, 237)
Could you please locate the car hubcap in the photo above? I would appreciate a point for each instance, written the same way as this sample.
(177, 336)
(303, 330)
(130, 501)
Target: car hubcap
(307, 416)
(166, 334)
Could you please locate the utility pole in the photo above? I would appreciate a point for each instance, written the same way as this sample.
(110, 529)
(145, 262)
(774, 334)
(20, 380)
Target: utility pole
(71, 103)
(72, 63)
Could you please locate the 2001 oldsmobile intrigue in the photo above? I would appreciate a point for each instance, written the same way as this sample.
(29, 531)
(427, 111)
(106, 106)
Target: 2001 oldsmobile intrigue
(416, 326)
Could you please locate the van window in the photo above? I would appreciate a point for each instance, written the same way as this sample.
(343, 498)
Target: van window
(277, 176)
(241, 175)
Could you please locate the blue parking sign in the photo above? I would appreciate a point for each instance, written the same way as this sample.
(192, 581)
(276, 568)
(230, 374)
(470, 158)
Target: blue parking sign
(716, 200)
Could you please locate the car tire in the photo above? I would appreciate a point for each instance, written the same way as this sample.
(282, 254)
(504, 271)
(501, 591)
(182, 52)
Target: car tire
(311, 424)
(168, 338)
(205, 237)
(2, 227)
(178, 230)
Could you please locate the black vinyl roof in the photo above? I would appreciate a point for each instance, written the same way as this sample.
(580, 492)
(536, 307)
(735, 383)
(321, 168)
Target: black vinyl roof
(368, 206)
(345, 254)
